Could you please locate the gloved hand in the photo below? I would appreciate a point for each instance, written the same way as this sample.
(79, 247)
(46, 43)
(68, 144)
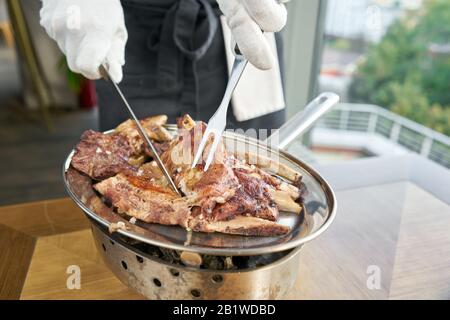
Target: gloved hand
(246, 19)
(88, 32)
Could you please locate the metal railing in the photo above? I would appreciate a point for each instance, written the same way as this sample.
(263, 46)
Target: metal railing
(376, 120)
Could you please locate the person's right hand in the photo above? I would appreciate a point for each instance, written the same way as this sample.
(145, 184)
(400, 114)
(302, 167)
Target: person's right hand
(88, 32)
(247, 20)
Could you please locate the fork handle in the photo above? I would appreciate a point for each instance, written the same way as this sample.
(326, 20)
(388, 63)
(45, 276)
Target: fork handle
(237, 70)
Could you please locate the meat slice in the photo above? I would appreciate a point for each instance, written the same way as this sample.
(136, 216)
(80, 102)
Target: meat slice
(285, 196)
(153, 126)
(207, 189)
(146, 196)
(102, 156)
(252, 198)
(203, 189)
(224, 196)
(240, 225)
(259, 195)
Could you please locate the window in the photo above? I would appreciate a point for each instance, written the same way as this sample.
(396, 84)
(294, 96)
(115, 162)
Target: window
(389, 60)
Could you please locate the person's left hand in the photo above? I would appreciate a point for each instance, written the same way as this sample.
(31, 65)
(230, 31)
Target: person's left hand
(247, 20)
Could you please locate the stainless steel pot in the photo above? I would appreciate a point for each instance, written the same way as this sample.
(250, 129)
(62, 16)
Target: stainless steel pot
(124, 251)
(157, 279)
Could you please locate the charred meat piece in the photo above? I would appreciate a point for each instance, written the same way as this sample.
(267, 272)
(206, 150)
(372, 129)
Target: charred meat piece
(179, 155)
(269, 165)
(207, 189)
(286, 196)
(247, 226)
(252, 198)
(146, 196)
(232, 197)
(81, 186)
(153, 126)
(223, 196)
(203, 189)
(102, 156)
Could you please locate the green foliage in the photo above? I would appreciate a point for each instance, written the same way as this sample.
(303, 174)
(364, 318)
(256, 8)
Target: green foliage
(433, 25)
(340, 44)
(409, 100)
(439, 119)
(401, 74)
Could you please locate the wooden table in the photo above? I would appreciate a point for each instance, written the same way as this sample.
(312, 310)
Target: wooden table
(39, 241)
(391, 223)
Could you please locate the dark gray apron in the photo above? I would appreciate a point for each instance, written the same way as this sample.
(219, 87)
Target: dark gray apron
(175, 64)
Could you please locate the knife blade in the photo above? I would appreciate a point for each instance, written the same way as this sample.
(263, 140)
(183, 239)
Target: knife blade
(104, 72)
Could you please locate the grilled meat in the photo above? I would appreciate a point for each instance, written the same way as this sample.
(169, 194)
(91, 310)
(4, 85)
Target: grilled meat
(252, 198)
(225, 192)
(231, 197)
(203, 189)
(145, 195)
(282, 194)
(247, 226)
(153, 126)
(102, 156)
(81, 186)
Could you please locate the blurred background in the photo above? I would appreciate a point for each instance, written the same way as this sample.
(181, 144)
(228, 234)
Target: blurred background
(389, 60)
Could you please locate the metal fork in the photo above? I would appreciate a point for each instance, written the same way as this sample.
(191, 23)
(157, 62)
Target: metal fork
(218, 121)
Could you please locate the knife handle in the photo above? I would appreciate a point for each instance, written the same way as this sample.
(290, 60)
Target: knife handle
(102, 70)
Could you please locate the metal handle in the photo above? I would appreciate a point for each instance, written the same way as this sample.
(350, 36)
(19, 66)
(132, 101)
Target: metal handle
(303, 120)
(236, 72)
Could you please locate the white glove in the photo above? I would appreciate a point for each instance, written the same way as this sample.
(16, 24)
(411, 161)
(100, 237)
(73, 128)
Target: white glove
(246, 19)
(88, 32)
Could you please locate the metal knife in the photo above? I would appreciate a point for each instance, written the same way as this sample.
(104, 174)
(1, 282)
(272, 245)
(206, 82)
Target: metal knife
(104, 72)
